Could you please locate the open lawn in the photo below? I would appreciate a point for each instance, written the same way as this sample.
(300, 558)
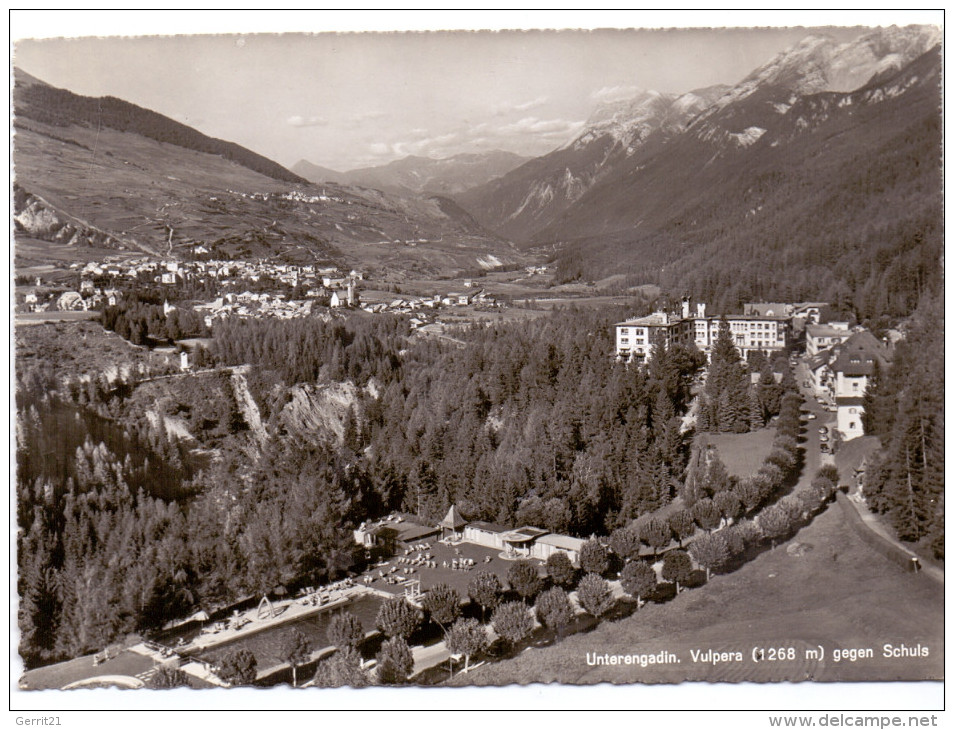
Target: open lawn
(742, 453)
(832, 593)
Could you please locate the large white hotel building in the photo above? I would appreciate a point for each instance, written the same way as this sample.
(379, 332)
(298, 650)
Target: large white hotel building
(635, 338)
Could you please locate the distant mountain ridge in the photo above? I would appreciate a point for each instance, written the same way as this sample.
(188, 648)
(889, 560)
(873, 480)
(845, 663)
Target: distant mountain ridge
(535, 203)
(414, 174)
(535, 194)
(58, 107)
(315, 173)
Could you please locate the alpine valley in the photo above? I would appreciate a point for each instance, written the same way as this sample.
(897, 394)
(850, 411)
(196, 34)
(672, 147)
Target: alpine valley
(469, 420)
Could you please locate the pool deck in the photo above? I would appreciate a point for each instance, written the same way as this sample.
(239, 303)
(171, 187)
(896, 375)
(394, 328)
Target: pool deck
(291, 609)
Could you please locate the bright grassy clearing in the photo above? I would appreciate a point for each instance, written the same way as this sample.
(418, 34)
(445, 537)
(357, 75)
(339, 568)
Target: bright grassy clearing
(833, 592)
(742, 453)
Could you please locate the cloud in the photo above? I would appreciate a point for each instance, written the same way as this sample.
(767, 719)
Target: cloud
(368, 117)
(609, 94)
(299, 121)
(540, 127)
(532, 104)
(529, 135)
(501, 110)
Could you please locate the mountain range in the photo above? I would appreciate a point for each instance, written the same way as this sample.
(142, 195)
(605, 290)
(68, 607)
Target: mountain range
(106, 173)
(622, 137)
(413, 174)
(826, 160)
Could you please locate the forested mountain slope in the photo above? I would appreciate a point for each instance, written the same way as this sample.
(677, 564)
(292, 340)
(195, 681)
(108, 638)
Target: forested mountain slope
(838, 198)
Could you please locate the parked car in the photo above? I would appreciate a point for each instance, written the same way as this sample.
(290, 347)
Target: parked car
(823, 430)
(823, 439)
(812, 416)
(824, 448)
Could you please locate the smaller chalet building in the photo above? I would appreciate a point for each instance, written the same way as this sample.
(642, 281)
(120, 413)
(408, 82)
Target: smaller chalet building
(819, 337)
(852, 364)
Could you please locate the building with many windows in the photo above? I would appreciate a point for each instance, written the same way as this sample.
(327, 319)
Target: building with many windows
(635, 338)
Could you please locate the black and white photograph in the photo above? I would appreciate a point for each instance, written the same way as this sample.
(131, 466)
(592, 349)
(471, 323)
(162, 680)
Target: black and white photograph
(428, 361)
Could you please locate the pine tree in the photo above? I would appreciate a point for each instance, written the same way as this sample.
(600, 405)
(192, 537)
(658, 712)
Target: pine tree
(756, 417)
(682, 525)
(394, 661)
(710, 551)
(703, 423)
(468, 637)
(656, 534)
(553, 609)
(676, 568)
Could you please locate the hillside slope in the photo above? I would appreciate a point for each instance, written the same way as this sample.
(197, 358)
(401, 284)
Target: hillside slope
(41, 102)
(129, 184)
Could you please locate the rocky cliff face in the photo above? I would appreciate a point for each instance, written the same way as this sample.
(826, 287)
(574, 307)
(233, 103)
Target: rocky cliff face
(35, 217)
(318, 412)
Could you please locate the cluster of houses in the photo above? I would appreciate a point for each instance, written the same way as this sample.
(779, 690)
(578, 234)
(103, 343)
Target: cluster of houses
(400, 532)
(409, 304)
(222, 272)
(841, 361)
(249, 304)
(341, 289)
(42, 298)
(294, 195)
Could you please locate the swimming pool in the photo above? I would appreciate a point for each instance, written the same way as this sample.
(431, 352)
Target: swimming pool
(266, 644)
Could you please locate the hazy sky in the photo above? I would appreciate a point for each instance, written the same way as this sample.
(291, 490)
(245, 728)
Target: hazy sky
(346, 100)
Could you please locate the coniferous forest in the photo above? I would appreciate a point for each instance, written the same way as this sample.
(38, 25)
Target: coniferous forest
(528, 423)
(905, 408)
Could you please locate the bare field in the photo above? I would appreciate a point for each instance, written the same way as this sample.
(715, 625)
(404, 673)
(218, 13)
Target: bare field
(28, 318)
(838, 595)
